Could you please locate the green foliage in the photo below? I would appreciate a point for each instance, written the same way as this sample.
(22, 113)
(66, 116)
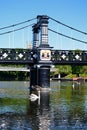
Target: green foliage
(76, 69)
(64, 68)
(14, 75)
(84, 70)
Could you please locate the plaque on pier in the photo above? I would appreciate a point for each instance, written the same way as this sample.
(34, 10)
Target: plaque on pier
(45, 55)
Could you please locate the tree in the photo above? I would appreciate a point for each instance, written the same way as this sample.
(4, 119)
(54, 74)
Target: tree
(76, 69)
(64, 69)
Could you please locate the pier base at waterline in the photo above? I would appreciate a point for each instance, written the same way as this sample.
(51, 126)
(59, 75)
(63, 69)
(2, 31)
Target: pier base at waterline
(40, 77)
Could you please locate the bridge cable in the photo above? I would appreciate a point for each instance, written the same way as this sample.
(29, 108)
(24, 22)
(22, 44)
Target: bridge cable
(68, 26)
(10, 26)
(67, 36)
(16, 29)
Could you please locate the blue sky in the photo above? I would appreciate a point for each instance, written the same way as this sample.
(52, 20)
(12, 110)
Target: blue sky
(70, 12)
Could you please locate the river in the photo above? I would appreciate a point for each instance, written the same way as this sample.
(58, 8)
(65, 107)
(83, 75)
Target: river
(63, 108)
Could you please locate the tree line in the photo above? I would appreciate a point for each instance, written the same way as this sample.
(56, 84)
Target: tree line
(71, 70)
(65, 70)
(14, 75)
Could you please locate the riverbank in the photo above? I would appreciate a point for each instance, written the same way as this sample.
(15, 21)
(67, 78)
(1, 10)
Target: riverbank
(71, 79)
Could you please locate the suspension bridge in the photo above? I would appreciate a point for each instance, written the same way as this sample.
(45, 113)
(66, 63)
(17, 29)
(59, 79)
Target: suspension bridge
(41, 57)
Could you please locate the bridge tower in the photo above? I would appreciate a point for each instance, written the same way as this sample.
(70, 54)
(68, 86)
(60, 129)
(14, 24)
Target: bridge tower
(40, 71)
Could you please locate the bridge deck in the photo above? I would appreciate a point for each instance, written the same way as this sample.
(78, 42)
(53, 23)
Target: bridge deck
(16, 56)
(69, 57)
(26, 56)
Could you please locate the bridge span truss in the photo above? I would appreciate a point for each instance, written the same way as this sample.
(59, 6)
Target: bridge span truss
(16, 56)
(30, 57)
(69, 57)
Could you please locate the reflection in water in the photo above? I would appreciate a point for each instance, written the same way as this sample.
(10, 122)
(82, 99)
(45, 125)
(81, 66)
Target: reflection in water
(44, 111)
(68, 111)
(40, 112)
(63, 108)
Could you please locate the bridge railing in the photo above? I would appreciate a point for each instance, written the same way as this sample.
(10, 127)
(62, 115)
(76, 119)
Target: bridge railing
(29, 56)
(69, 57)
(16, 55)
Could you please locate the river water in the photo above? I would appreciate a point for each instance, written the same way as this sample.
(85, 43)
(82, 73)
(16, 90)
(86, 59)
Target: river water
(63, 108)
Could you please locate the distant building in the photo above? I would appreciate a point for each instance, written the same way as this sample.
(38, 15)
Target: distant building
(29, 46)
